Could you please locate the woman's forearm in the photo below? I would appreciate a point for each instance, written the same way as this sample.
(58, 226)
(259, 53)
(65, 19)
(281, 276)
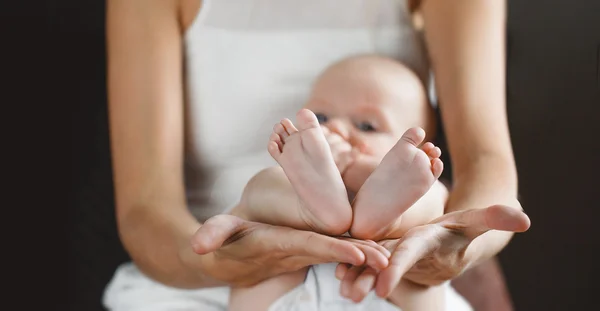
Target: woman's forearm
(145, 99)
(466, 41)
(158, 241)
(466, 45)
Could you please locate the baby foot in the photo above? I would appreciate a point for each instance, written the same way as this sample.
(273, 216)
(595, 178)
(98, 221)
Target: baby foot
(404, 175)
(305, 157)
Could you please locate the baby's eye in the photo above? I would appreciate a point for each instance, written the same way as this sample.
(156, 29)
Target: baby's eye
(321, 117)
(365, 127)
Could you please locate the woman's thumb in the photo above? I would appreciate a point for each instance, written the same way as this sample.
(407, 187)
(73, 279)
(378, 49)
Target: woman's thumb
(214, 232)
(497, 217)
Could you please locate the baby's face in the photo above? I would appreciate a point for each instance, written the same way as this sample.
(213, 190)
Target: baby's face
(370, 111)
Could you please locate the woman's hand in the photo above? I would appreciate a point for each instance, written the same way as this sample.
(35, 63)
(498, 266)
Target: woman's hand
(431, 254)
(242, 253)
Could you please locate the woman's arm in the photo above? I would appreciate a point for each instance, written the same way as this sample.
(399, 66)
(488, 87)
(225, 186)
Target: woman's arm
(146, 122)
(145, 86)
(466, 44)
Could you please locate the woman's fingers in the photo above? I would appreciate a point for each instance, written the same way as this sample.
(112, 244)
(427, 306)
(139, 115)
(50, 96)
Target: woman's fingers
(215, 231)
(376, 256)
(363, 284)
(349, 279)
(318, 246)
(412, 248)
(357, 282)
(370, 243)
(223, 230)
(373, 257)
(340, 270)
(369, 246)
(505, 218)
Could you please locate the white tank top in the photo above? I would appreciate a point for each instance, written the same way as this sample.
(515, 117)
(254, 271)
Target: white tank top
(250, 63)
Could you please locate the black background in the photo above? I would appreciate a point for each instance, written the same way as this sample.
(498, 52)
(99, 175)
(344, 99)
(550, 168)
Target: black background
(554, 111)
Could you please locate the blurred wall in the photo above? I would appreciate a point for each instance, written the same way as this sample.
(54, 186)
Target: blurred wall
(554, 113)
(94, 243)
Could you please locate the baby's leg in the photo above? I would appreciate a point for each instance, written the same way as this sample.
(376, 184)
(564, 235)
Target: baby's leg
(405, 174)
(415, 297)
(270, 198)
(429, 207)
(264, 294)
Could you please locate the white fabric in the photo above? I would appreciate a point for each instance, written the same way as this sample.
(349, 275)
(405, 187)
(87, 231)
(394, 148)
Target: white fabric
(321, 291)
(250, 63)
(131, 290)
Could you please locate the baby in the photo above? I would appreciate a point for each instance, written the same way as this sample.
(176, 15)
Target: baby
(353, 162)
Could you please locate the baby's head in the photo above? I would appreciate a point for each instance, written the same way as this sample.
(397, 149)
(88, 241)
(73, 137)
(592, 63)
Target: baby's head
(371, 101)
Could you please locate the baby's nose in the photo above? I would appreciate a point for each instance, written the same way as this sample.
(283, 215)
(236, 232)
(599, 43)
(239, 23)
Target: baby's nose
(338, 127)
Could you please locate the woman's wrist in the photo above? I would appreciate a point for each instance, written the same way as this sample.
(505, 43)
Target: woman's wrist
(485, 184)
(489, 180)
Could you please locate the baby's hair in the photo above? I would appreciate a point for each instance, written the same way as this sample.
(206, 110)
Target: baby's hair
(369, 56)
(390, 63)
(393, 62)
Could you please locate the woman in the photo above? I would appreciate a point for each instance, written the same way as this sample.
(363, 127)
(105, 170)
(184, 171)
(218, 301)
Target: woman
(189, 81)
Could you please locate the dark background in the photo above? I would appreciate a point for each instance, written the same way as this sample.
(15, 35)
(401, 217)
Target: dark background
(554, 112)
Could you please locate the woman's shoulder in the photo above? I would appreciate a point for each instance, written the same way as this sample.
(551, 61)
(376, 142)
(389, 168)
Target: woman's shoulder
(188, 11)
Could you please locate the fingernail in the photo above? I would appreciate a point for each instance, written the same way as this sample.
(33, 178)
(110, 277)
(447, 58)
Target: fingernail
(338, 275)
(379, 292)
